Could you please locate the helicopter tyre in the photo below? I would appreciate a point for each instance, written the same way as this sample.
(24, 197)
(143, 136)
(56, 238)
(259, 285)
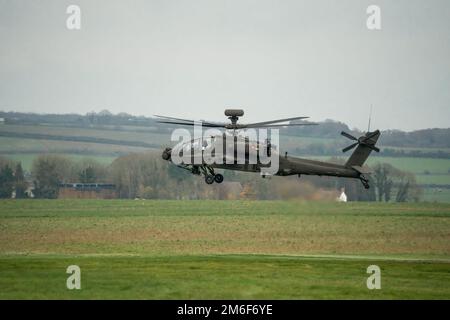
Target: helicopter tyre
(218, 178)
(365, 182)
(209, 179)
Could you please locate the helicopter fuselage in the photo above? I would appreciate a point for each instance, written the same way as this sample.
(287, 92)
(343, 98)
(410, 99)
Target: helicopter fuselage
(198, 154)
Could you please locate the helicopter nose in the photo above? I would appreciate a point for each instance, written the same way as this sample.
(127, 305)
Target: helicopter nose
(166, 155)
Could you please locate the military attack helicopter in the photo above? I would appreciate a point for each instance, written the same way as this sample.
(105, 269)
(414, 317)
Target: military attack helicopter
(201, 151)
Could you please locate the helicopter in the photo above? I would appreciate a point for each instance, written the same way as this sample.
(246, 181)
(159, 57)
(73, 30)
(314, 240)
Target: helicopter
(202, 153)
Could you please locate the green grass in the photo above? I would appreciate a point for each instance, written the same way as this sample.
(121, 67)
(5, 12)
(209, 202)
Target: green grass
(219, 277)
(223, 249)
(217, 227)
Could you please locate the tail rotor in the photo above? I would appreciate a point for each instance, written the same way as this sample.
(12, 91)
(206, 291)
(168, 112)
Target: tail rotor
(365, 140)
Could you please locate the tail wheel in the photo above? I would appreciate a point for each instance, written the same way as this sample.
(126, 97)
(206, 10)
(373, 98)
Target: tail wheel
(218, 178)
(209, 179)
(364, 181)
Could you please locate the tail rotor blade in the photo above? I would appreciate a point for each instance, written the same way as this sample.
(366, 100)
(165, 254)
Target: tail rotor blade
(374, 148)
(347, 135)
(350, 147)
(368, 140)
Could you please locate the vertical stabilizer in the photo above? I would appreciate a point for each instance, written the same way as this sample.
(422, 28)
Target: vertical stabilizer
(364, 146)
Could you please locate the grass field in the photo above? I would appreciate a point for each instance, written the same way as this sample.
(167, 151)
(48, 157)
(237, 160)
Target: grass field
(223, 249)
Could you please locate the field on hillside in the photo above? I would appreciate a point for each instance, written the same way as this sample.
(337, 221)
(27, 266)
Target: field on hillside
(223, 249)
(27, 159)
(133, 134)
(437, 168)
(109, 133)
(22, 147)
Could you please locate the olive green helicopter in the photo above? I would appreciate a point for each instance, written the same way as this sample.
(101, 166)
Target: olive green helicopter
(224, 146)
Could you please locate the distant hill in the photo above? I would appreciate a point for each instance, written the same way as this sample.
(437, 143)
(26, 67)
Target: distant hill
(426, 138)
(103, 117)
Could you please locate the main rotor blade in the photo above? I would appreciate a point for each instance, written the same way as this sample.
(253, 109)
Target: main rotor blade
(172, 118)
(345, 134)
(204, 124)
(258, 124)
(350, 147)
(281, 125)
(188, 121)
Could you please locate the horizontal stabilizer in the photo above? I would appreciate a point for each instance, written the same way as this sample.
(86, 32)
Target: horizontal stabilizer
(362, 170)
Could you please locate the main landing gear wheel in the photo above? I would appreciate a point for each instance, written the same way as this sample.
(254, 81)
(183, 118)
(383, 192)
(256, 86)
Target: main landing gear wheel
(209, 179)
(218, 178)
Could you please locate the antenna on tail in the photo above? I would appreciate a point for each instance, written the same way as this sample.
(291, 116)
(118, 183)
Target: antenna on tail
(370, 118)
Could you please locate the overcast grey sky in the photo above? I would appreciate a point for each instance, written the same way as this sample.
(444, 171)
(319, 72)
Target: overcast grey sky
(194, 58)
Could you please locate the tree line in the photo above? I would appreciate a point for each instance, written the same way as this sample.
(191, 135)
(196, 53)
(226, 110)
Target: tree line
(147, 176)
(12, 180)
